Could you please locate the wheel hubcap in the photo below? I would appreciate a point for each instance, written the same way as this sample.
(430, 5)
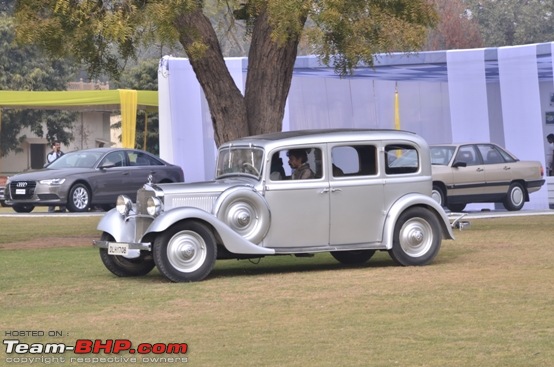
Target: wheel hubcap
(517, 196)
(186, 251)
(416, 237)
(243, 218)
(80, 198)
(436, 196)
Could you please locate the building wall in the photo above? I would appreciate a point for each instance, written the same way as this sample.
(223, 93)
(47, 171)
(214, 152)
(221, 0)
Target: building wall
(90, 130)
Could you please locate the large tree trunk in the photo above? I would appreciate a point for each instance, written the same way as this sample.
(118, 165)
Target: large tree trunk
(270, 67)
(225, 100)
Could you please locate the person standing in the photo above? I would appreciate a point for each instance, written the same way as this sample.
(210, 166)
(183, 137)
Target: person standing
(51, 157)
(55, 153)
(550, 168)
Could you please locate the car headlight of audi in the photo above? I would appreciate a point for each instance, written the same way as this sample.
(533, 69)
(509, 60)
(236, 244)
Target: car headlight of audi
(52, 181)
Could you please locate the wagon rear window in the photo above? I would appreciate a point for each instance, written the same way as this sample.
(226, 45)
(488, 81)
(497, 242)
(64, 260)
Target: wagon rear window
(401, 159)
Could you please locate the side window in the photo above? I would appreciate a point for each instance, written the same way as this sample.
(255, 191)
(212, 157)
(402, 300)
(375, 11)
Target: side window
(296, 164)
(401, 158)
(114, 159)
(507, 158)
(141, 159)
(490, 154)
(354, 160)
(468, 154)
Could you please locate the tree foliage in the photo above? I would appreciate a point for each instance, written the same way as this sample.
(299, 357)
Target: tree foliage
(513, 22)
(457, 29)
(26, 68)
(104, 34)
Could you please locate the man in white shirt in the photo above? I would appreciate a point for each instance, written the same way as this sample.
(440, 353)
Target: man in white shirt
(55, 153)
(51, 157)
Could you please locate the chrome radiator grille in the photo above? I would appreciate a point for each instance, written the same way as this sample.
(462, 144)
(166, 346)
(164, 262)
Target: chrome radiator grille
(142, 198)
(142, 222)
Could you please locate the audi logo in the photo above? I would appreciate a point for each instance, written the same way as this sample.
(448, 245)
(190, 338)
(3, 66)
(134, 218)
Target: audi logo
(21, 184)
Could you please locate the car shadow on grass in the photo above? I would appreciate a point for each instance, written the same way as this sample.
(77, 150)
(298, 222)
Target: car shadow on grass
(287, 264)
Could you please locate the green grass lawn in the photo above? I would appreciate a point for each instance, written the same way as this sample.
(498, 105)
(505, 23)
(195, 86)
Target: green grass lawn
(486, 300)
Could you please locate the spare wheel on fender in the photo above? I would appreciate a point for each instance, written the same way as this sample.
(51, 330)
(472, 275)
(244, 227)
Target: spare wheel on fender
(245, 211)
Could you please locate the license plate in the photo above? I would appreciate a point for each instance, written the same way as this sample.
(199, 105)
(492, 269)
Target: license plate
(118, 248)
(20, 191)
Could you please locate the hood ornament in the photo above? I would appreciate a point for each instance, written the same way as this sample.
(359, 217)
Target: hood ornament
(149, 179)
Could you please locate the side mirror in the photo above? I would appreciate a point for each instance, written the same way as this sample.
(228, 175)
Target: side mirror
(459, 164)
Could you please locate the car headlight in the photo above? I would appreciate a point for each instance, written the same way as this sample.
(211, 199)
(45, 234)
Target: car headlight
(52, 181)
(123, 205)
(154, 206)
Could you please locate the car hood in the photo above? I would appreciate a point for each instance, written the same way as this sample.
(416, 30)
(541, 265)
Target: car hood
(45, 174)
(206, 187)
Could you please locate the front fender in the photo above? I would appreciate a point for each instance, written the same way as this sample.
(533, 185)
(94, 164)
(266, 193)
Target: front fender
(408, 201)
(115, 224)
(231, 239)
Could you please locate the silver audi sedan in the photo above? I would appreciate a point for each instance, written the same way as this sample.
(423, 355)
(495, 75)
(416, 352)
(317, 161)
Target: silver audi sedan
(84, 179)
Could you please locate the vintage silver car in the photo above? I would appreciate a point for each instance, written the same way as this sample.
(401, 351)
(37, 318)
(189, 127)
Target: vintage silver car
(355, 199)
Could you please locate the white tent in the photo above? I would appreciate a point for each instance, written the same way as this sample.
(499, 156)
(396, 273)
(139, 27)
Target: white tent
(495, 94)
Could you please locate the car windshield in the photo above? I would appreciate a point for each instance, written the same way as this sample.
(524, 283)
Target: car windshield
(441, 155)
(233, 160)
(76, 160)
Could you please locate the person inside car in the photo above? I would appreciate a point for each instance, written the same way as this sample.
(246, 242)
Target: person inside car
(298, 161)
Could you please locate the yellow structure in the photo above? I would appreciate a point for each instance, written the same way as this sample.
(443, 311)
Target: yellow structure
(126, 100)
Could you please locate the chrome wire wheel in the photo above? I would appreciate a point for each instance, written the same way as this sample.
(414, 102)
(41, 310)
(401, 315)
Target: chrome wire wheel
(186, 251)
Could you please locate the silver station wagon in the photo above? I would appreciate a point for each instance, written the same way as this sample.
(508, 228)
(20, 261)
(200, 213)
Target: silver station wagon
(343, 191)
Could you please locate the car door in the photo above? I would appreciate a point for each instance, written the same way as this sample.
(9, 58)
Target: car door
(498, 174)
(115, 178)
(469, 180)
(142, 166)
(356, 194)
(299, 208)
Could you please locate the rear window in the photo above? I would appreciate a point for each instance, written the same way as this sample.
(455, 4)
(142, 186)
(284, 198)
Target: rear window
(401, 159)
